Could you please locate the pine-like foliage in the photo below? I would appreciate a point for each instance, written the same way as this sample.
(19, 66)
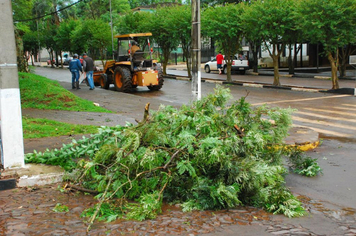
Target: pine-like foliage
(208, 155)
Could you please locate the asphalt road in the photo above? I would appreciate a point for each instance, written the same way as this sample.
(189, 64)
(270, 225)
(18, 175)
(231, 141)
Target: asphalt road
(332, 115)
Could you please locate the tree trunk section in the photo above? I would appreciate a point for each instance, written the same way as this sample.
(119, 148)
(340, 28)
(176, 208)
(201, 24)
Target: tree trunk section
(228, 74)
(276, 71)
(21, 58)
(334, 78)
(187, 61)
(255, 61)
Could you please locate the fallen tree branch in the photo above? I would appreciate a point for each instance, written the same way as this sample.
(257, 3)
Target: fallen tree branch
(173, 156)
(80, 188)
(147, 113)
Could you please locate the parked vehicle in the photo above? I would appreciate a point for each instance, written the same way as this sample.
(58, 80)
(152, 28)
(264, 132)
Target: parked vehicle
(130, 70)
(240, 65)
(51, 63)
(67, 59)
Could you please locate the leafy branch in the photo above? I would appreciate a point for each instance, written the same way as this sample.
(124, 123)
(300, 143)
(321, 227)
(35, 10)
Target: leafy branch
(206, 155)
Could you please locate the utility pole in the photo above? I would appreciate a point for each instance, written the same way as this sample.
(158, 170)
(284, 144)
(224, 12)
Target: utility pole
(12, 153)
(196, 51)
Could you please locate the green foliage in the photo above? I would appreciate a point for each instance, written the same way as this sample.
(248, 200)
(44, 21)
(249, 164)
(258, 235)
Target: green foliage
(224, 25)
(160, 24)
(60, 208)
(107, 212)
(303, 165)
(331, 23)
(63, 37)
(42, 93)
(67, 155)
(134, 22)
(100, 9)
(148, 208)
(207, 155)
(276, 28)
(91, 35)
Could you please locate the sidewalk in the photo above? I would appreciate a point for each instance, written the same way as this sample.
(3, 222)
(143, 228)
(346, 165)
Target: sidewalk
(310, 81)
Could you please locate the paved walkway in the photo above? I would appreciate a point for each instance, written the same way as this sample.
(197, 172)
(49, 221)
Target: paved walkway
(314, 82)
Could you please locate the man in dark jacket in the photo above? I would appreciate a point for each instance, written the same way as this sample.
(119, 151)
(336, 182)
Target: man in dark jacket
(75, 67)
(88, 66)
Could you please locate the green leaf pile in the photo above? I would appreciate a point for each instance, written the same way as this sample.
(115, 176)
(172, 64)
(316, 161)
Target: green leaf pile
(207, 155)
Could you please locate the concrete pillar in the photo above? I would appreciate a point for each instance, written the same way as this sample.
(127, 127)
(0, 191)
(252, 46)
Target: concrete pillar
(196, 51)
(10, 104)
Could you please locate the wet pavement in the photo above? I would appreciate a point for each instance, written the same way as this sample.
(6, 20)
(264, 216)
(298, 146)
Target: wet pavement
(329, 202)
(29, 211)
(318, 81)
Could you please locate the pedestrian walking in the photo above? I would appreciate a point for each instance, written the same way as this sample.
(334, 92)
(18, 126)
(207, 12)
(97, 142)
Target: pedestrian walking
(75, 66)
(88, 66)
(219, 61)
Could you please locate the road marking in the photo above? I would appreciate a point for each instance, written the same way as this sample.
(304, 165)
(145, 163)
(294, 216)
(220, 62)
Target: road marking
(330, 112)
(252, 85)
(328, 132)
(325, 116)
(346, 108)
(303, 99)
(349, 105)
(305, 90)
(324, 123)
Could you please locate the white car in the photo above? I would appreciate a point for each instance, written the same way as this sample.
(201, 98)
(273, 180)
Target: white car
(237, 65)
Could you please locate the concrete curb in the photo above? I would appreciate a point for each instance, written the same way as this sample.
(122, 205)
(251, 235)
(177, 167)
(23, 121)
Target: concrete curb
(263, 85)
(31, 175)
(304, 138)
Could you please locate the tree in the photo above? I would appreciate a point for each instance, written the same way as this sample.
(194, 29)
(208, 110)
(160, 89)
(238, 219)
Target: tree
(224, 25)
(160, 25)
(93, 36)
(133, 22)
(63, 36)
(31, 44)
(181, 28)
(21, 9)
(100, 9)
(331, 23)
(273, 28)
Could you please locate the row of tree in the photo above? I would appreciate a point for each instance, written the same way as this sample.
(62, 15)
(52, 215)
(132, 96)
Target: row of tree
(273, 24)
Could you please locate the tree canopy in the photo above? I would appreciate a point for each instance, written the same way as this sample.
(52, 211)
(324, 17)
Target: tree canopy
(224, 25)
(331, 23)
(274, 28)
(61, 25)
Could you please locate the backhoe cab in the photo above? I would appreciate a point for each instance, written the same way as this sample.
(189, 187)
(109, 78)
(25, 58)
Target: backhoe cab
(134, 65)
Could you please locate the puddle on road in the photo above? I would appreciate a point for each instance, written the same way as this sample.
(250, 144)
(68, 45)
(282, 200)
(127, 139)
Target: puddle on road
(340, 213)
(340, 139)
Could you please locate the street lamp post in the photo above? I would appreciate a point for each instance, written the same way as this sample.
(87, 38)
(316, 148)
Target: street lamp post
(196, 51)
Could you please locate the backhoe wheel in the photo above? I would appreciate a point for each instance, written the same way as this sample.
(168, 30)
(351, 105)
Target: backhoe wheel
(104, 82)
(160, 82)
(122, 79)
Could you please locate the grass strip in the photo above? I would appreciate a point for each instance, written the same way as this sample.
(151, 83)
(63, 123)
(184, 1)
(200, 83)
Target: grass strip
(41, 128)
(42, 93)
